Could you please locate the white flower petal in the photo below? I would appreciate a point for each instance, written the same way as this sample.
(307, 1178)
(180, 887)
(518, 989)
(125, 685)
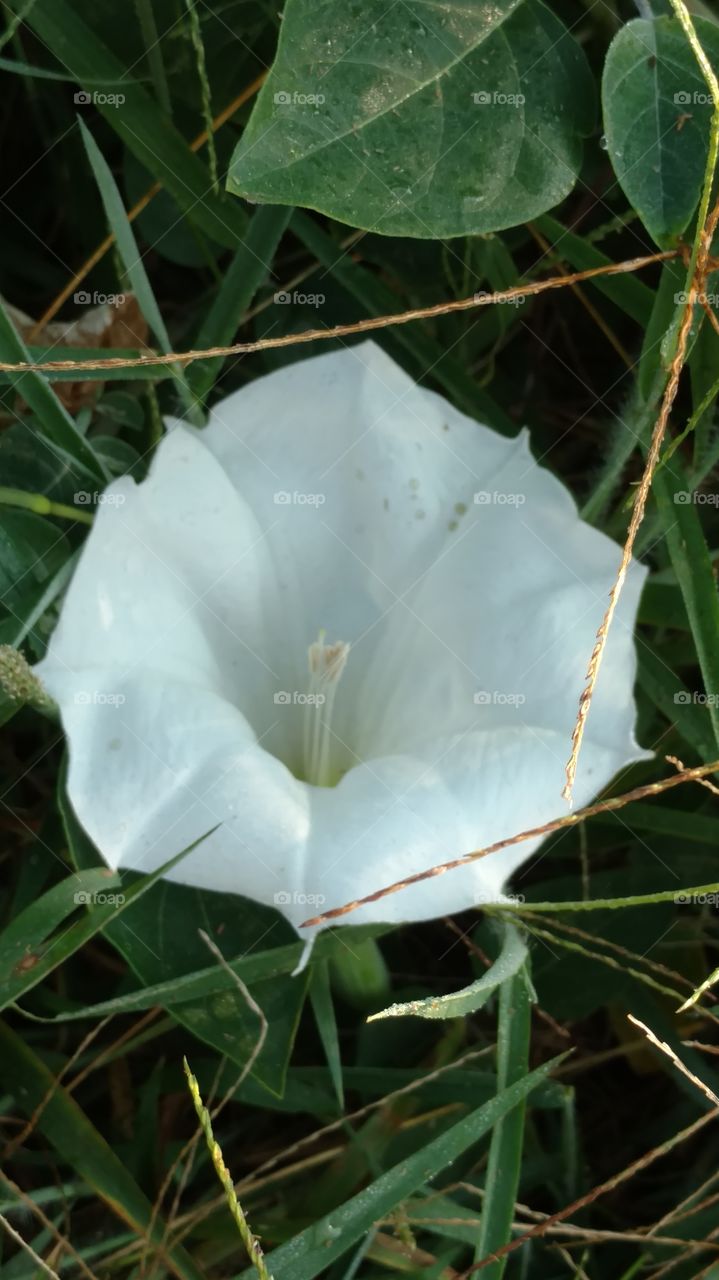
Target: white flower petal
(182, 760)
(337, 494)
(502, 596)
(397, 816)
(156, 764)
(175, 578)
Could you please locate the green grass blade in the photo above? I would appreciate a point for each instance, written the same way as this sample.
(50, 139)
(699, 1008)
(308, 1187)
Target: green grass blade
(52, 421)
(676, 823)
(309, 1253)
(194, 986)
(79, 1144)
(38, 964)
(131, 256)
(324, 1011)
(426, 353)
(459, 1004)
(139, 122)
(693, 567)
(627, 292)
(28, 930)
(505, 1151)
(671, 696)
(249, 267)
(205, 982)
(153, 52)
(205, 91)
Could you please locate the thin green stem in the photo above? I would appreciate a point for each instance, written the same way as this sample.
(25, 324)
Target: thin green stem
(681, 896)
(696, 417)
(199, 48)
(689, 29)
(249, 1240)
(41, 505)
(15, 21)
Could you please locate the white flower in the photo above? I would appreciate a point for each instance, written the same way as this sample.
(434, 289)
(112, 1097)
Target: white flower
(351, 626)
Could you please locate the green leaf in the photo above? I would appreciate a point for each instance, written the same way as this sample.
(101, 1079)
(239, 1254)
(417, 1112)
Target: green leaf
(35, 603)
(661, 605)
(31, 551)
(416, 119)
(80, 1146)
(35, 566)
(205, 981)
(657, 111)
(160, 941)
(457, 1005)
(24, 466)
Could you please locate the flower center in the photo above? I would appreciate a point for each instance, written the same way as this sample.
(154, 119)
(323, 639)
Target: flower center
(326, 664)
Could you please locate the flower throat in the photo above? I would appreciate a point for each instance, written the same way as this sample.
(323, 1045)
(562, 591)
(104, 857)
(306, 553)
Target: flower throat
(326, 664)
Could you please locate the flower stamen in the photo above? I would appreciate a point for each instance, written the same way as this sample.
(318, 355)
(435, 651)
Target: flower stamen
(326, 664)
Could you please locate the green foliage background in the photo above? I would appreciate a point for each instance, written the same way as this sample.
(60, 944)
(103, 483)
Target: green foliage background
(472, 1122)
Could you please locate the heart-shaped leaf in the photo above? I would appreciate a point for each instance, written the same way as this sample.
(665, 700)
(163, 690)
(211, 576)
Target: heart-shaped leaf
(657, 112)
(417, 119)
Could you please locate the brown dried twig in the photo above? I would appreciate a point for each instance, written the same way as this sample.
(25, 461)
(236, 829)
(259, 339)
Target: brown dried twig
(547, 828)
(367, 325)
(704, 265)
